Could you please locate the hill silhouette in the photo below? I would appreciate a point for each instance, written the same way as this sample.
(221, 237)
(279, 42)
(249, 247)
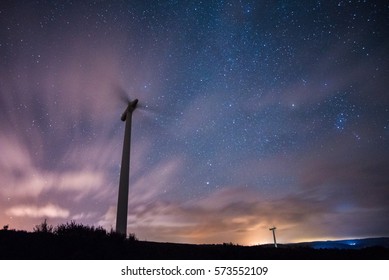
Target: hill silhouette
(77, 241)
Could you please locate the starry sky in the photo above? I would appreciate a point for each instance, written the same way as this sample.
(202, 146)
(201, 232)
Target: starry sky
(252, 114)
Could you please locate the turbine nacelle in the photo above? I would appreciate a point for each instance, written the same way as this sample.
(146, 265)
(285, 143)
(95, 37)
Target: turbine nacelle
(130, 108)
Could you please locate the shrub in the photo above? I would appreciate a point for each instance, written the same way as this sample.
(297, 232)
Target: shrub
(74, 229)
(43, 227)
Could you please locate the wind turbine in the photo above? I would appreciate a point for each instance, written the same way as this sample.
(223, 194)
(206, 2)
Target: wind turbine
(273, 229)
(122, 207)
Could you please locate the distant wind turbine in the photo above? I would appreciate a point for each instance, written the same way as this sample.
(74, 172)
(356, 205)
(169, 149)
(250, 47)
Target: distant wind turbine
(122, 207)
(273, 229)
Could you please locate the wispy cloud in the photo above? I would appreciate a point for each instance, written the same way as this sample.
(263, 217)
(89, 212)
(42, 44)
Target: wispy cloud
(47, 211)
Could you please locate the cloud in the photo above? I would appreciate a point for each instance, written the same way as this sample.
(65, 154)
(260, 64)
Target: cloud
(345, 175)
(80, 182)
(157, 181)
(108, 219)
(34, 182)
(22, 178)
(84, 216)
(48, 211)
(14, 154)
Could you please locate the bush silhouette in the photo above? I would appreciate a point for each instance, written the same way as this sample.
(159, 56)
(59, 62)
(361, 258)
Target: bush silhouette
(79, 230)
(43, 227)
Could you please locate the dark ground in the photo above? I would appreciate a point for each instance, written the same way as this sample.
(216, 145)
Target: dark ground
(100, 245)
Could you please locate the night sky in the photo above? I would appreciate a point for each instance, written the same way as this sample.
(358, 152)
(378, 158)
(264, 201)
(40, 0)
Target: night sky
(252, 114)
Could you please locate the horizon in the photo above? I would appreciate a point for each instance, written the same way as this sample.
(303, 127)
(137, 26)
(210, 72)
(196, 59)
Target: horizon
(52, 229)
(251, 115)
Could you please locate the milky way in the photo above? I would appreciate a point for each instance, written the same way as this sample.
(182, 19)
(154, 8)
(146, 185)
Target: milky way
(252, 114)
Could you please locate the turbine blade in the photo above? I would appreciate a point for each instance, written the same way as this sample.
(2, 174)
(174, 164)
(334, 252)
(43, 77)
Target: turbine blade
(120, 94)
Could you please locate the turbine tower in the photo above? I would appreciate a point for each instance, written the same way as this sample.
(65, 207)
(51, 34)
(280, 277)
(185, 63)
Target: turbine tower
(122, 207)
(273, 229)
